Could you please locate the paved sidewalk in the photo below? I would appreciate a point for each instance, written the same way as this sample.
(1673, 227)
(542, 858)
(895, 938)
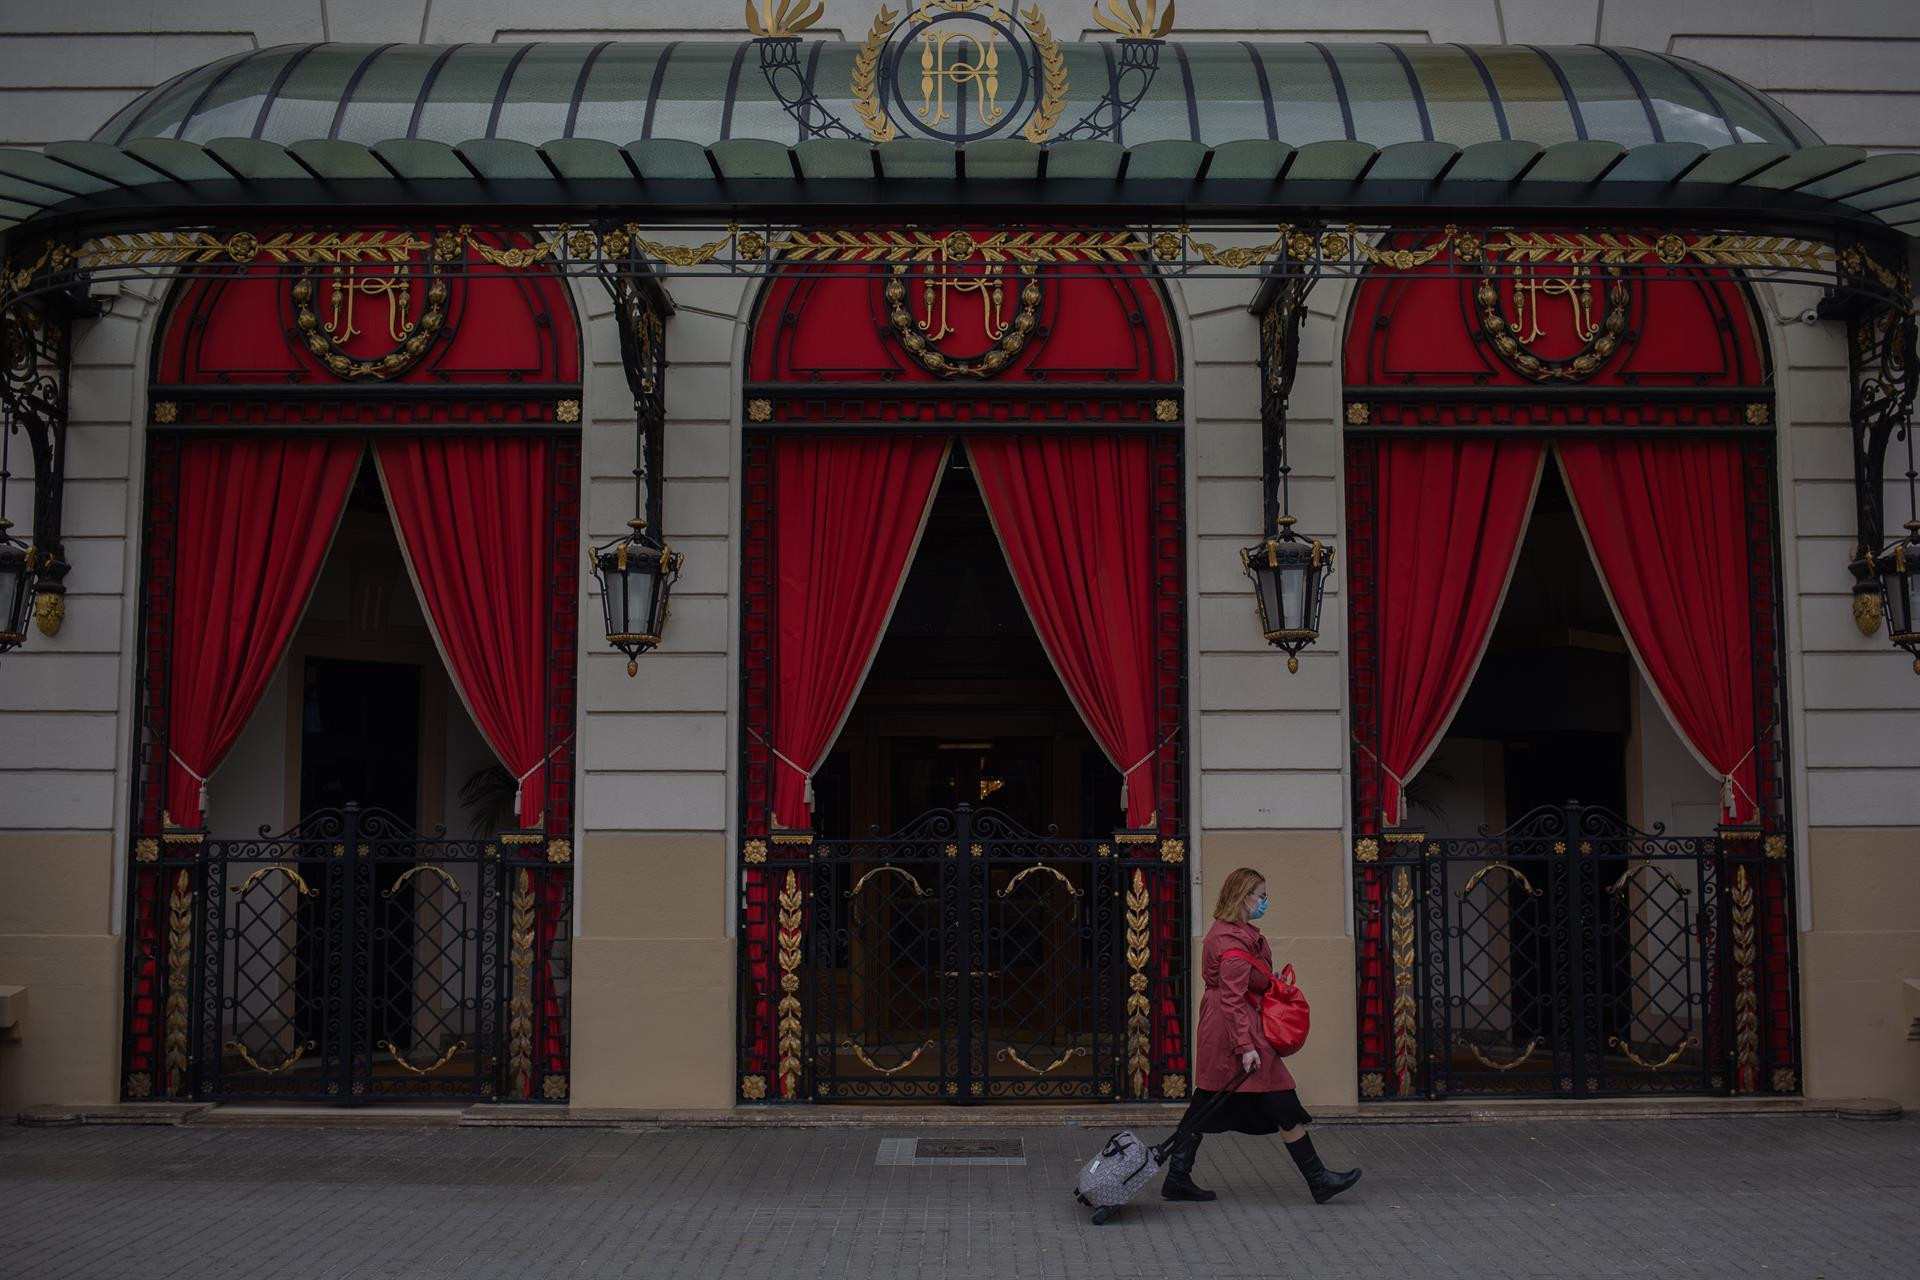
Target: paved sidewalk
(1787, 1196)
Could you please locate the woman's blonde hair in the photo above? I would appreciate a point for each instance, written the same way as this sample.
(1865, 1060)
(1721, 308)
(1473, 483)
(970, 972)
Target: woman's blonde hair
(1233, 895)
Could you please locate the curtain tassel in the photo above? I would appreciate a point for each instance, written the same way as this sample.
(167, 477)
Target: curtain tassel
(520, 783)
(197, 776)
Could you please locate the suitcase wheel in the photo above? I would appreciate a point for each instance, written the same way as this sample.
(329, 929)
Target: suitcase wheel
(1102, 1214)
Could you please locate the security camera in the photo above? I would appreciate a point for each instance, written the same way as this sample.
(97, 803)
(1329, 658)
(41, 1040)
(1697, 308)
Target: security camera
(1809, 316)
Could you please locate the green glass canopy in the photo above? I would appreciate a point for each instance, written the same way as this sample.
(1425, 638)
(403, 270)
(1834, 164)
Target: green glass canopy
(1209, 93)
(1163, 129)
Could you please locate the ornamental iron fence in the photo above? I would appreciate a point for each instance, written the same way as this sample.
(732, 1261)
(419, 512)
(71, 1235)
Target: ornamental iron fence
(349, 959)
(964, 959)
(1573, 955)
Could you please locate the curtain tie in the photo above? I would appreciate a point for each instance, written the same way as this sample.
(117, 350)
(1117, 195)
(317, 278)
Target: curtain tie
(1399, 783)
(1131, 769)
(197, 777)
(520, 783)
(806, 775)
(1729, 784)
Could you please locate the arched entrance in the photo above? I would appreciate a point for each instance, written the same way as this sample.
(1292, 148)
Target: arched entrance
(963, 797)
(1569, 758)
(360, 577)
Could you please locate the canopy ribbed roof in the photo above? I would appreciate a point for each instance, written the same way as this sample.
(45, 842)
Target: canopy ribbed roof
(714, 129)
(708, 91)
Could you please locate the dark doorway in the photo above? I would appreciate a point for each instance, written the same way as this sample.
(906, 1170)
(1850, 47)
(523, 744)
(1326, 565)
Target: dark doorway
(1553, 697)
(360, 736)
(962, 704)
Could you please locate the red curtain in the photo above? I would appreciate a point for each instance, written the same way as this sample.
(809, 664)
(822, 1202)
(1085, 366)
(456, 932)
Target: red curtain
(1073, 516)
(1451, 514)
(1666, 522)
(848, 512)
(474, 524)
(256, 519)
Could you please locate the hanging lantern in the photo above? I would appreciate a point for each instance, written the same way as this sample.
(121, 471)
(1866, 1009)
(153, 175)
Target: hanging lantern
(1900, 573)
(1289, 576)
(636, 575)
(16, 588)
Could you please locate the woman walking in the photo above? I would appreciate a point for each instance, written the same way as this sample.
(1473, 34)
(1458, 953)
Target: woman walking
(1236, 964)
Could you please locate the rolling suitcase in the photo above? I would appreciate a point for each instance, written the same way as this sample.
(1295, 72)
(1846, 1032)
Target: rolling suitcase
(1126, 1164)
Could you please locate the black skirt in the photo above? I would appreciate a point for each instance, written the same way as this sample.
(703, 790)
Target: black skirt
(1256, 1113)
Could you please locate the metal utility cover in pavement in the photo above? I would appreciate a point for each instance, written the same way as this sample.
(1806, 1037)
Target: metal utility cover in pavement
(944, 1151)
(968, 1148)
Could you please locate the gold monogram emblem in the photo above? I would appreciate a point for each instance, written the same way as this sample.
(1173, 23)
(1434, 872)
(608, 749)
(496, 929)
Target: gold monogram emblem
(976, 64)
(1529, 303)
(939, 287)
(348, 284)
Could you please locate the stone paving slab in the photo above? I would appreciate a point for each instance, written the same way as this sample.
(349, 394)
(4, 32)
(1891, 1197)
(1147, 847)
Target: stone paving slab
(1774, 1196)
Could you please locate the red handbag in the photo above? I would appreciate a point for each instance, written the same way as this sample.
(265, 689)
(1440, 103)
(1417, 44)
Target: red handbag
(1284, 1016)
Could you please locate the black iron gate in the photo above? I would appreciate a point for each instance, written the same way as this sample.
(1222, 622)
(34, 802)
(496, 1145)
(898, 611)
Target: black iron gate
(966, 959)
(1572, 955)
(348, 959)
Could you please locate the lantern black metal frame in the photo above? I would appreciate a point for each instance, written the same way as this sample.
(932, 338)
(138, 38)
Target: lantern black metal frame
(641, 309)
(1283, 553)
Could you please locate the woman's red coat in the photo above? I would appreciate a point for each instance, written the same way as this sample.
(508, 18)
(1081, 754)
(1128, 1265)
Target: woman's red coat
(1229, 1022)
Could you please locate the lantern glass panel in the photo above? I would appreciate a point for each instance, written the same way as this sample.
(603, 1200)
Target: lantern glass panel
(1903, 596)
(613, 587)
(642, 584)
(1295, 578)
(1266, 582)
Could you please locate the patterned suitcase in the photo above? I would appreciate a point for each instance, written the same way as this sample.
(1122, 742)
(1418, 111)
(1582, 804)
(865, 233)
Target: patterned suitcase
(1126, 1164)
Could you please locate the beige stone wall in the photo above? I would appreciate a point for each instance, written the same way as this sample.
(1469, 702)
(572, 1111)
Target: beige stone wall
(1306, 924)
(56, 941)
(1853, 963)
(653, 974)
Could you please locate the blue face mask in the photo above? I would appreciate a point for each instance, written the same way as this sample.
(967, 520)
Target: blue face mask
(1259, 909)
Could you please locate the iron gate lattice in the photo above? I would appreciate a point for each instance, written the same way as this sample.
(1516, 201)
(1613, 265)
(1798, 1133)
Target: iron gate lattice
(1573, 955)
(966, 959)
(347, 959)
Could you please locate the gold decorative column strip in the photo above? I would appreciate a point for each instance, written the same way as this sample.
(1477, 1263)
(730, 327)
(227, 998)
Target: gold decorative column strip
(1139, 1012)
(179, 962)
(788, 940)
(1404, 1056)
(1746, 1016)
(520, 993)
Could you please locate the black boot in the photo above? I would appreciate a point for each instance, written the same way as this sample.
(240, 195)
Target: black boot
(1180, 1184)
(1325, 1183)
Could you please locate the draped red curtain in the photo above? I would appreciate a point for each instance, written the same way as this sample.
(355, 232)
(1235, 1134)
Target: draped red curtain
(848, 512)
(1666, 522)
(1451, 514)
(473, 519)
(1073, 515)
(255, 520)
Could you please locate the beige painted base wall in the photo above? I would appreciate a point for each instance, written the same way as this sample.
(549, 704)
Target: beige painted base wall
(653, 973)
(55, 940)
(1306, 925)
(1864, 943)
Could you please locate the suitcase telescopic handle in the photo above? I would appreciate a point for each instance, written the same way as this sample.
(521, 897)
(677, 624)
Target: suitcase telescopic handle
(1193, 1120)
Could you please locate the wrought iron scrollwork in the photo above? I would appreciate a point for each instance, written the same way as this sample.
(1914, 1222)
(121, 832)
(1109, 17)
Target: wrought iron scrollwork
(789, 74)
(35, 355)
(1280, 326)
(1883, 357)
